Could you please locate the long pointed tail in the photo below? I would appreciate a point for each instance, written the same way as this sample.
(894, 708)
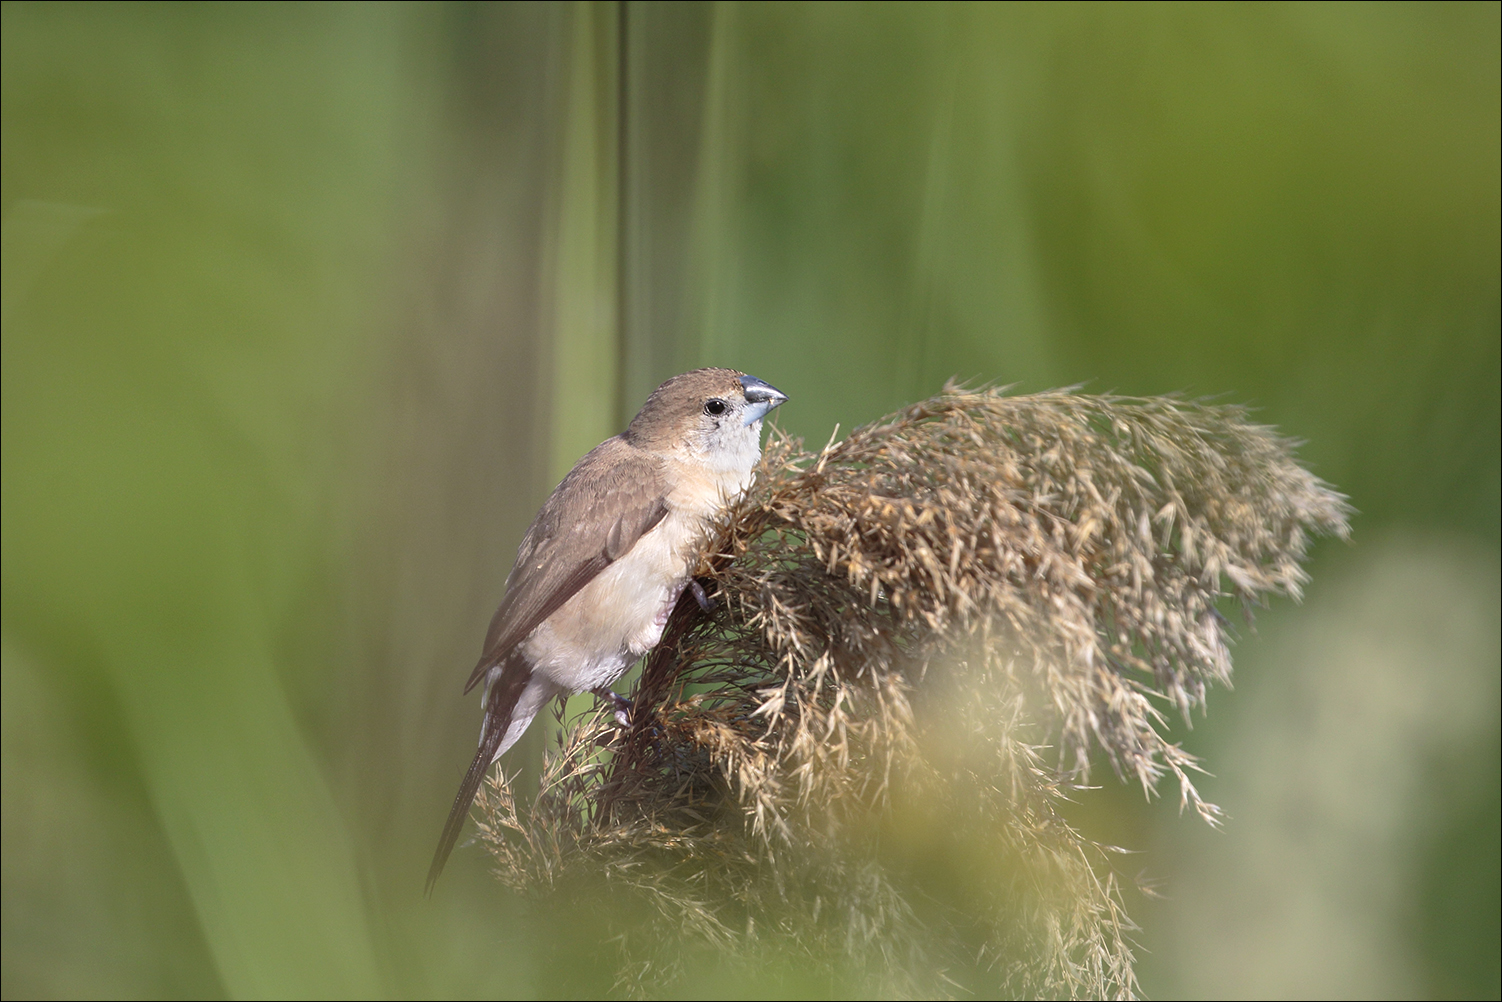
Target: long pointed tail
(500, 702)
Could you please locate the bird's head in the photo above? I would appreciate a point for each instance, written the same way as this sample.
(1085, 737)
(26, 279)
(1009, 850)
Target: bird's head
(711, 415)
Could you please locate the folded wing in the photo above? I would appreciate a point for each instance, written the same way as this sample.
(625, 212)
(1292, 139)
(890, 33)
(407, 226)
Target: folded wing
(611, 498)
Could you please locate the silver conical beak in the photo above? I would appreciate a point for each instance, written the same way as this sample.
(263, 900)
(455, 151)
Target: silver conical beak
(761, 398)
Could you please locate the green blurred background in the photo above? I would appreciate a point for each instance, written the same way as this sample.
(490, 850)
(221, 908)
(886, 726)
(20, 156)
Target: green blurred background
(305, 308)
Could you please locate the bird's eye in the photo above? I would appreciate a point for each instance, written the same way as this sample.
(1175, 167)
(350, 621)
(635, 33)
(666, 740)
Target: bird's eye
(715, 407)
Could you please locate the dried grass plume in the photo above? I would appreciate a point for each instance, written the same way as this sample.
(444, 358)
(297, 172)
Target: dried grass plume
(925, 633)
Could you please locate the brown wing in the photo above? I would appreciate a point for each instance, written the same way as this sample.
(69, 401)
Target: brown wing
(610, 499)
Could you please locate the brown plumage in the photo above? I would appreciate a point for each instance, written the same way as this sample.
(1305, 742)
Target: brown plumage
(606, 558)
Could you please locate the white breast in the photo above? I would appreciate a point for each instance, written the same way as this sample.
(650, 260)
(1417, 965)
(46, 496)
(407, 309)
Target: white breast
(620, 615)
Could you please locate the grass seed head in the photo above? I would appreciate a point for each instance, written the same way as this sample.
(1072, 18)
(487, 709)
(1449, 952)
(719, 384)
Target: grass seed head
(925, 634)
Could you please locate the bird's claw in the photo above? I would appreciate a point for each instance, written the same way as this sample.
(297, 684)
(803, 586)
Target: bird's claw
(706, 603)
(621, 703)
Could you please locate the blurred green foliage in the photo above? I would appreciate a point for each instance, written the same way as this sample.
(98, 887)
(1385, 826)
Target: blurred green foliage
(293, 342)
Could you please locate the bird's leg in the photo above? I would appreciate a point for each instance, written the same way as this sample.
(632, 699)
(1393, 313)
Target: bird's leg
(706, 603)
(621, 703)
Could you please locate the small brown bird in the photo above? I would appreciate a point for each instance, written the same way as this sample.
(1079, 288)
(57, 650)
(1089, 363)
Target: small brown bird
(606, 558)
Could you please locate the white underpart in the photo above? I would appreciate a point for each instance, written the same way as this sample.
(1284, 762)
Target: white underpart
(620, 615)
(534, 697)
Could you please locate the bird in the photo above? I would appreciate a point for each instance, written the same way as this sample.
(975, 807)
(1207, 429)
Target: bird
(606, 558)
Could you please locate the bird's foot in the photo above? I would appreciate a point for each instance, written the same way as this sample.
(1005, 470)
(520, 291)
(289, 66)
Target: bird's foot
(621, 703)
(706, 603)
